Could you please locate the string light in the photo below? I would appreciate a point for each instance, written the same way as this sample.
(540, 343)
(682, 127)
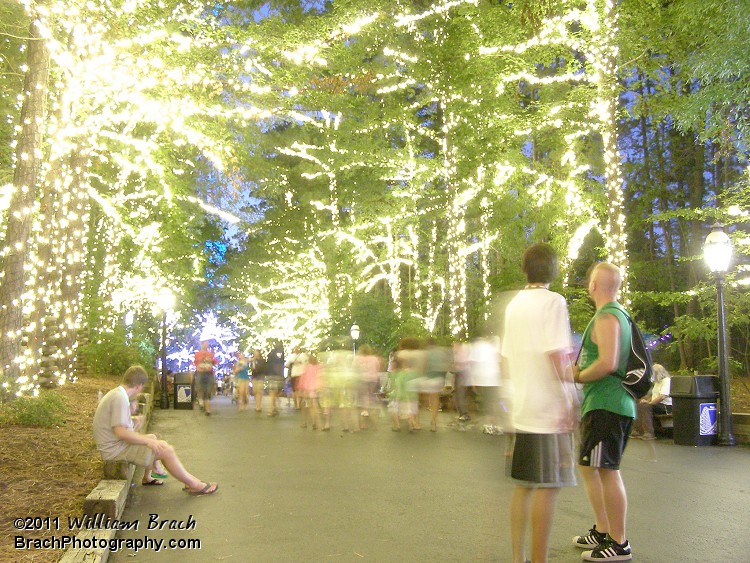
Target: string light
(109, 127)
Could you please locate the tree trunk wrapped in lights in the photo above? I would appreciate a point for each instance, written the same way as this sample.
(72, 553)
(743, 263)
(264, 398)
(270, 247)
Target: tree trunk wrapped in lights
(13, 329)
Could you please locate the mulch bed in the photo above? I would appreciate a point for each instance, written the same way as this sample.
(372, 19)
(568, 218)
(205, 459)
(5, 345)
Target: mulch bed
(48, 472)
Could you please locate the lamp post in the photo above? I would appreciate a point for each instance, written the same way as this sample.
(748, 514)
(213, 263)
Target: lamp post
(717, 252)
(166, 302)
(354, 333)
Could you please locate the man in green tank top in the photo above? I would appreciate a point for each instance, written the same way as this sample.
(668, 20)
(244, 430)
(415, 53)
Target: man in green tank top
(607, 413)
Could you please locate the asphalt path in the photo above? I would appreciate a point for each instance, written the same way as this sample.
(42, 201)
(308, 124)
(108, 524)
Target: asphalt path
(293, 494)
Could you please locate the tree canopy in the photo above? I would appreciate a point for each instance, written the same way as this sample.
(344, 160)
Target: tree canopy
(378, 162)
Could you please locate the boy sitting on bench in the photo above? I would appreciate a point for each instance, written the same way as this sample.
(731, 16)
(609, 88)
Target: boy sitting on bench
(117, 440)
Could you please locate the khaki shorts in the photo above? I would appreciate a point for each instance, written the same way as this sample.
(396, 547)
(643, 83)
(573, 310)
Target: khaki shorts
(140, 455)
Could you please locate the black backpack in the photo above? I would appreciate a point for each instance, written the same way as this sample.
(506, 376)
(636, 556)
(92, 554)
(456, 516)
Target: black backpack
(639, 373)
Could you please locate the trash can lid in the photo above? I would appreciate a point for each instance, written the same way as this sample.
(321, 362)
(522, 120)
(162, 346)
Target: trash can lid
(697, 386)
(183, 377)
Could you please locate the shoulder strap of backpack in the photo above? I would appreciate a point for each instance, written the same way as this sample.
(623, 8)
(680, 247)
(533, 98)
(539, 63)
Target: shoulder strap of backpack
(614, 309)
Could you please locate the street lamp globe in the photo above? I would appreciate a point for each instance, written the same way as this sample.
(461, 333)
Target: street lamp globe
(354, 332)
(165, 299)
(717, 250)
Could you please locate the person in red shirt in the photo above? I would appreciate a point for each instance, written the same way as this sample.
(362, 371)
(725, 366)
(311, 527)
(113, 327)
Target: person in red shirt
(205, 379)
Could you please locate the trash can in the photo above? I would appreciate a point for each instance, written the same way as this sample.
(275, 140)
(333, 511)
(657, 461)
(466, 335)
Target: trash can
(694, 409)
(183, 390)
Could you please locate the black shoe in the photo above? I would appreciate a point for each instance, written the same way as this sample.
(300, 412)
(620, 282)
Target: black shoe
(590, 540)
(609, 550)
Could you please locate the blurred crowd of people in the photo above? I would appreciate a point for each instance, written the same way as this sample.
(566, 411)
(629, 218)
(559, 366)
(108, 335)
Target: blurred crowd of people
(354, 388)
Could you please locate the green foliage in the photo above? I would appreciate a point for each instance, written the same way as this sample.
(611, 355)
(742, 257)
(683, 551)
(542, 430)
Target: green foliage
(407, 155)
(112, 355)
(378, 323)
(46, 410)
(580, 309)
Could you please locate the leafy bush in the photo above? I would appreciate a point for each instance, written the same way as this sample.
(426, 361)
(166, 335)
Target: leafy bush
(48, 409)
(112, 356)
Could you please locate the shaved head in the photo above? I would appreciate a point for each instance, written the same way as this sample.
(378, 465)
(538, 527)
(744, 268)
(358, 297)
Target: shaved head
(608, 278)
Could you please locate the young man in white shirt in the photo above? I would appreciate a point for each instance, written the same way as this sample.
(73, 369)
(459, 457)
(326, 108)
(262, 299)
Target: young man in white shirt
(117, 440)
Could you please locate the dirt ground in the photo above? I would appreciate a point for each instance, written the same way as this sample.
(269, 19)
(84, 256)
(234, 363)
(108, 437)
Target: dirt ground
(48, 472)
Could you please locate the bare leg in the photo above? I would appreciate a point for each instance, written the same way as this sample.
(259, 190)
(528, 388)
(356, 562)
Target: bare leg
(305, 413)
(258, 393)
(273, 394)
(434, 400)
(207, 399)
(313, 405)
(542, 513)
(177, 470)
(519, 517)
(615, 502)
(354, 416)
(593, 485)
(157, 466)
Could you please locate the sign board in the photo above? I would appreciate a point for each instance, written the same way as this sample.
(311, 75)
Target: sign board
(709, 424)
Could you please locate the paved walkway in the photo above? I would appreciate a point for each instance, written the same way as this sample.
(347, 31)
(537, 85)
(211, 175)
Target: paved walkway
(289, 494)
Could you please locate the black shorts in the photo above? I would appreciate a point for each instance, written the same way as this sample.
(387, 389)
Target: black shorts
(542, 460)
(206, 382)
(604, 435)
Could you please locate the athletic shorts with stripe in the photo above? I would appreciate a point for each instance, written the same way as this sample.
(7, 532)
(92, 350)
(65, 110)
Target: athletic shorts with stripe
(604, 435)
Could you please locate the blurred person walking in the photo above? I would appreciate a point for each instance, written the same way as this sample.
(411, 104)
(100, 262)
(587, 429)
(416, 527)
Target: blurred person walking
(438, 363)
(310, 383)
(340, 388)
(258, 374)
(462, 381)
(367, 366)
(296, 367)
(484, 369)
(275, 376)
(408, 365)
(536, 347)
(204, 361)
(241, 371)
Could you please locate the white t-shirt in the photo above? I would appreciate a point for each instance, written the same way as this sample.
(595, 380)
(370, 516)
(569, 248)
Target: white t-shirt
(662, 388)
(536, 323)
(113, 410)
(484, 364)
(296, 364)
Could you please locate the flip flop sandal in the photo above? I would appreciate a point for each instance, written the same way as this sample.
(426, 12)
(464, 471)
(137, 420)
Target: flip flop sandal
(156, 475)
(152, 483)
(204, 491)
